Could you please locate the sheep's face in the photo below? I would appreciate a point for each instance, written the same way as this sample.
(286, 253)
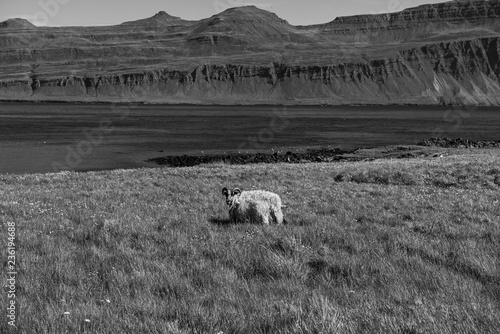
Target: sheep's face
(231, 196)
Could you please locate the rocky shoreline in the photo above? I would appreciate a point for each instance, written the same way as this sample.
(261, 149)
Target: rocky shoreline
(459, 143)
(320, 155)
(422, 149)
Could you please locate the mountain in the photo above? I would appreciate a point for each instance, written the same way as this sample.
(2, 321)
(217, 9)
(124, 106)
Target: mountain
(249, 24)
(439, 15)
(447, 53)
(245, 27)
(17, 24)
(159, 20)
(422, 22)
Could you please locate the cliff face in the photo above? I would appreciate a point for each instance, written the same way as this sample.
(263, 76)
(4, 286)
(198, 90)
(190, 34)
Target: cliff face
(215, 61)
(449, 12)
(418, 22)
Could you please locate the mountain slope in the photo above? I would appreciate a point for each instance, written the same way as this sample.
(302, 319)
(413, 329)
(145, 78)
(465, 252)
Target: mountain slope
(159, 20)
(17, 24)
(432, 54)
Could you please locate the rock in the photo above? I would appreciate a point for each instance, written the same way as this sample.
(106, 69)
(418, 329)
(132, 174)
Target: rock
(322, 155)
(430, 54)
(459, 143)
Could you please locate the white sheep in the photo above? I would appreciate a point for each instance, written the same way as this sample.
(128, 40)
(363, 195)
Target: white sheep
(254, 206)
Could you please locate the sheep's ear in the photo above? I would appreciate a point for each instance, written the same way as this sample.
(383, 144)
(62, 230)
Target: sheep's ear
(236, 191)
(225, 192)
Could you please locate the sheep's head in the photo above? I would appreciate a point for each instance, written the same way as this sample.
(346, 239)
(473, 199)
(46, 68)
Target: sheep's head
(231, 196)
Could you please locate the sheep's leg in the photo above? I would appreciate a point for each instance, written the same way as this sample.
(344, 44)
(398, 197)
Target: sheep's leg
(277, 212)
(277, 217)
(265, 219)
(233, 218)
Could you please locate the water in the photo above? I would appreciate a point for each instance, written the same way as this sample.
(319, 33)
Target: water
(48, 137)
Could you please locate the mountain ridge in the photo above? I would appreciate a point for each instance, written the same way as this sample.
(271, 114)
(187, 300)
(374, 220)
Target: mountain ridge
(17, 23)
(431, 54)
(160, 19)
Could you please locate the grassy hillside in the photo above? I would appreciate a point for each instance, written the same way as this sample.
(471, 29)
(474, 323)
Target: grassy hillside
(389, 246)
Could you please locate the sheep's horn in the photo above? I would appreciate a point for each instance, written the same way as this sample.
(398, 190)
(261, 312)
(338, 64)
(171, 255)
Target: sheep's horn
(236, 191)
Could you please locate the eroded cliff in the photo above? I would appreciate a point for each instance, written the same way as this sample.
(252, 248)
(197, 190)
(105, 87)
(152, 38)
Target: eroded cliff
(247, 55)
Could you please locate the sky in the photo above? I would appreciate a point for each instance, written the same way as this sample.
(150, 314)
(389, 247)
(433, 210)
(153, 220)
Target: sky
(109, 12)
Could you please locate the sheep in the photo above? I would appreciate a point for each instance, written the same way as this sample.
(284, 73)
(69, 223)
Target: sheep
(254, 206)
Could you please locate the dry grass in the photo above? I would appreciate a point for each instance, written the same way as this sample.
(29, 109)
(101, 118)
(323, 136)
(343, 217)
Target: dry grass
(406, 246)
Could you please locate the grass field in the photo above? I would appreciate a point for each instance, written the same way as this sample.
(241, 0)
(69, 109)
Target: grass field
(388, 246)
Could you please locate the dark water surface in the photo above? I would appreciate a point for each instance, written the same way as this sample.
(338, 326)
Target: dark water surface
(48, 137)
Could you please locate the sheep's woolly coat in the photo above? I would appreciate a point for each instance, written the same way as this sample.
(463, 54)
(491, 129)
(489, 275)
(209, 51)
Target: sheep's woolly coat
(256, 206)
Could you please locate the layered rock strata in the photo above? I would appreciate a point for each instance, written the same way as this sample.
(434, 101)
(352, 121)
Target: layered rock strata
(247, 55)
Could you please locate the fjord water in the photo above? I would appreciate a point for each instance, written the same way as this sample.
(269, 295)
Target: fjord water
(47, 137)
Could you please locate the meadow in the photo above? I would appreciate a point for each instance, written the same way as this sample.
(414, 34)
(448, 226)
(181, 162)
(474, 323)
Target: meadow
(387, 246)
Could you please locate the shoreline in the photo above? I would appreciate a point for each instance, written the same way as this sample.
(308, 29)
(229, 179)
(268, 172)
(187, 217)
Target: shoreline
(425, 148)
